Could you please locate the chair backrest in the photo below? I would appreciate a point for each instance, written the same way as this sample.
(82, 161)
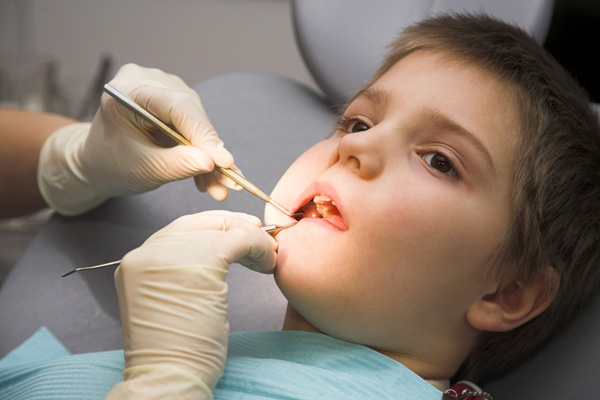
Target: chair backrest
(343, 41)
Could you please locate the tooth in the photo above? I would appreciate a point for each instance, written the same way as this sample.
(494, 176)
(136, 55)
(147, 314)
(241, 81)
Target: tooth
(326, 209)
(324, 205)
(321, 199)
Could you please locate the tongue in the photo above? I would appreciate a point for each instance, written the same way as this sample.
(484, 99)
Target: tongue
(310, 210)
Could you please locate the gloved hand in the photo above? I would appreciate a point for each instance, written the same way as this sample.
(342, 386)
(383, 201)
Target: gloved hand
(173, 303)
(83, 164)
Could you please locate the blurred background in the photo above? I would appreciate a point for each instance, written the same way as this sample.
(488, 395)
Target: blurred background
(63, 47)
(55, 55)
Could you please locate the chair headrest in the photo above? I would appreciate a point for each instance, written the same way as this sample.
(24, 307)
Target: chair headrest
(344, 41)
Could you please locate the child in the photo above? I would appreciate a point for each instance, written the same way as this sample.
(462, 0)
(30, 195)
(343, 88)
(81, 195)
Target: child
(451, 227)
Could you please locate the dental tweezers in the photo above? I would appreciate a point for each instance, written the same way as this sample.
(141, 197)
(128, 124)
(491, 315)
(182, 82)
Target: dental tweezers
(270, 229)
(182, 140)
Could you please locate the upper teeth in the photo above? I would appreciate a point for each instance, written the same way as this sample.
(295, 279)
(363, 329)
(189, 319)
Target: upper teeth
(322, 199)
(325, 206)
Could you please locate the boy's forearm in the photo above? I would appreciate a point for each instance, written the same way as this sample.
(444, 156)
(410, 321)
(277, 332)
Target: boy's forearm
(22, 134)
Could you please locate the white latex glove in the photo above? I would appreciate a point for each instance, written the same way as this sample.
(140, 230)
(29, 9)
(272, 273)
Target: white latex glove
(83, 164)
(173, 303)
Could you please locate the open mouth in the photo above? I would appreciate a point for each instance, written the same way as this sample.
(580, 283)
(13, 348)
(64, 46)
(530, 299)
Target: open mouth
(323, 207)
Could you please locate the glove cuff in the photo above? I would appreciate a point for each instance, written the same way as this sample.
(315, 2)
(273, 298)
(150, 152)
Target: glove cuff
(62, 184)
(159, 382)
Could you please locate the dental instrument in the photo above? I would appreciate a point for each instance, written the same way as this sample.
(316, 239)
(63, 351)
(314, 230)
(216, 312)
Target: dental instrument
(270, 229)
(182, 140)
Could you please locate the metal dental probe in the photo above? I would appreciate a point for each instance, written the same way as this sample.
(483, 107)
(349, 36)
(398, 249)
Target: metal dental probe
(270, 229)
(180, 139)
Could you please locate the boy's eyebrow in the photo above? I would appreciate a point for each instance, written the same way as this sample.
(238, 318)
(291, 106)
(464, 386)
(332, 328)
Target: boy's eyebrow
(373, 94)
(444, 122)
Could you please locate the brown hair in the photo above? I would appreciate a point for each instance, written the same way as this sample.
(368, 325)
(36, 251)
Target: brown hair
(556, 199)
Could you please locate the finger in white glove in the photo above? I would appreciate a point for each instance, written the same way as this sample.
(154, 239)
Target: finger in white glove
(216, 184)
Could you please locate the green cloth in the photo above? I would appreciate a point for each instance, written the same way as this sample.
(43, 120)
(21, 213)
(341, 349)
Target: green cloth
(260, 365)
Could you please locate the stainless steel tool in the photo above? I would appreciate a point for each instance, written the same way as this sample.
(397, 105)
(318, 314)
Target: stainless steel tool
(270, 229)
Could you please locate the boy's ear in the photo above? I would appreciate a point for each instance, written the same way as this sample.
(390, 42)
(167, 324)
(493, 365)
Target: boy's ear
(507, 306)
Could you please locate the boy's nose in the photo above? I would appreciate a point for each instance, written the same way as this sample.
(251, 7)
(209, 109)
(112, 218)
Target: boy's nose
(360, 152)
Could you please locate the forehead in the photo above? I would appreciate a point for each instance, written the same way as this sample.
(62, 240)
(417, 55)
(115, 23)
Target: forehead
(442, 80)
(439, 63)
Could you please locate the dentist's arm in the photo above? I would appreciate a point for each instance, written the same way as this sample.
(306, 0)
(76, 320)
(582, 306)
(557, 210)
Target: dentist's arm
(22, 134)
(173, 303)
(83, 164)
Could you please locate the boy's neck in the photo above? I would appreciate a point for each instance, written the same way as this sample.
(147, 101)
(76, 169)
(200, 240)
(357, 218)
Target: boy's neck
(429, 371)
(293, 321)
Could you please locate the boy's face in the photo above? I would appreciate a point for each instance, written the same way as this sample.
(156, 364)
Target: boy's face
(420, 174)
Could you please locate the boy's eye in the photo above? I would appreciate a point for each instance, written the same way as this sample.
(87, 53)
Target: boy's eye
(352, 125)
(440, 163)
(357, 126)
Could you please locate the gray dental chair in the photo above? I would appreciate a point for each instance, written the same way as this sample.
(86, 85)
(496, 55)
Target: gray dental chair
(342, 43)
